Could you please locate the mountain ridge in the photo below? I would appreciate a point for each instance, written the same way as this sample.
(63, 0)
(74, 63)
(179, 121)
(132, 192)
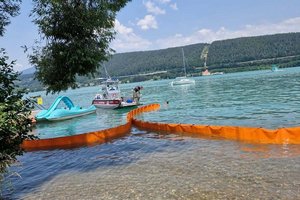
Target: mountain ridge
(230, 55)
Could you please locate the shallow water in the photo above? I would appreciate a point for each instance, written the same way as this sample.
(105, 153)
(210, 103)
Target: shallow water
(150, 165)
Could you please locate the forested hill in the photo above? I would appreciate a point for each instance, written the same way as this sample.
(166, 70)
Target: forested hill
(232, 55)
(253, 48)
(158, 60)
(261, 51)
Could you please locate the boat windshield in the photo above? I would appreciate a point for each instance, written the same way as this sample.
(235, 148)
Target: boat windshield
(110, 88)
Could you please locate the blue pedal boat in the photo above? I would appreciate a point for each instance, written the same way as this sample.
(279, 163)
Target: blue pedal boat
(70, 111)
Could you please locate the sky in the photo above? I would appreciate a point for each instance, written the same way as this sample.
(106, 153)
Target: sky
(157, 24)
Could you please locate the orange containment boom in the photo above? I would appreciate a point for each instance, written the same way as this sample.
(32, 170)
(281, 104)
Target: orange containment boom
(247, 134)
(86, 139)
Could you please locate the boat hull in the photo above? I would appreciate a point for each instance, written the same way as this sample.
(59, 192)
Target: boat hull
(183, 82)
(112, 104)
(63, 114)
(70, 111)
(106, 103)
(126, 104)
(70, 116)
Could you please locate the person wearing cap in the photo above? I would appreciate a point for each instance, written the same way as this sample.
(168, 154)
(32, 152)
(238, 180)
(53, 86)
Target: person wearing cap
(137, 93)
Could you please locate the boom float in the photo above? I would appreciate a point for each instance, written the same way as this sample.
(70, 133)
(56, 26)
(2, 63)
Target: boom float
(246, 134)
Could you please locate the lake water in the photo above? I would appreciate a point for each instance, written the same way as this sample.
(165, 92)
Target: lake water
(150, 165)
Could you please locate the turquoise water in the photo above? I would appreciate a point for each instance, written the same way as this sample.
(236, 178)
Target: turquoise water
(260, 99)
(150, 165)
(102, 119)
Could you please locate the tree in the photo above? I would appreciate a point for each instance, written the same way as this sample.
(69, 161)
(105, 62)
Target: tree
(14, 112)
(8, 8)
(77, 34)
(14, 116)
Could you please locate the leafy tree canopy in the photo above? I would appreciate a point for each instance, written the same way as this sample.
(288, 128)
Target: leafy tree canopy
(8, 8)
(14, 112)
(253, 48)
(77, 34)
(14, 115)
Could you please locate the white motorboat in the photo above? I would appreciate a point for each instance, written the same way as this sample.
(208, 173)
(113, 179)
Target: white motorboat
(110, 96)
(183, 80)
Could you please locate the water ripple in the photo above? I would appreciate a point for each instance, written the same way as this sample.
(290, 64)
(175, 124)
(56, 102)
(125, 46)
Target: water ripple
(156, 165)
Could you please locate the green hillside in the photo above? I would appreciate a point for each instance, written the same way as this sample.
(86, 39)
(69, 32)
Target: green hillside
(158, 60)
(232, 55)
(258, 50)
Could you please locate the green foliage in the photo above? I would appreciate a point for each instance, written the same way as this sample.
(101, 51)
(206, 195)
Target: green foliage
(253, 48)
(8, 8)
(14, 116)
(170, 60)
(158, 60)
(77, 34)
(14, 122)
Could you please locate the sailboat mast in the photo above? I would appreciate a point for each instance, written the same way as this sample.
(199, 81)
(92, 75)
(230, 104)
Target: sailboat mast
(106, 73)
(183, 60)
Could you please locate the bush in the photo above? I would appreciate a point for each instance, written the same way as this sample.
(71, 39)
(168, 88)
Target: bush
(14, 116)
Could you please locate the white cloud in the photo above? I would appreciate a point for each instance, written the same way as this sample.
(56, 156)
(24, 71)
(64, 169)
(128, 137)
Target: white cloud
(174, 6)
(163, 1)
(18, 67)
(121, 29)
(147, 22)
(126, 40)
(209, 35)
(152, 8)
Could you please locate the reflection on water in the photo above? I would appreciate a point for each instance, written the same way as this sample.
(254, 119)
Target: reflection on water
(102, 119)
(149, 165)
(155, 165)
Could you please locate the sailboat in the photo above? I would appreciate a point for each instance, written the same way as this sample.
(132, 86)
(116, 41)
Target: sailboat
(183, 80)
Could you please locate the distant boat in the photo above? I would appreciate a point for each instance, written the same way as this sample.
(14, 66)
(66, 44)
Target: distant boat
(217, 73)
(207, 73)
(275, 68)
(184, 80)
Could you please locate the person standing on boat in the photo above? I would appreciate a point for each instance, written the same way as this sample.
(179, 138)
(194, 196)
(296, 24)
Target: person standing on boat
(137, 93)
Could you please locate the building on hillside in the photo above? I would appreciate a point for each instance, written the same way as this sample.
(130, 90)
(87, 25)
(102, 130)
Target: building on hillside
(205, 72)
